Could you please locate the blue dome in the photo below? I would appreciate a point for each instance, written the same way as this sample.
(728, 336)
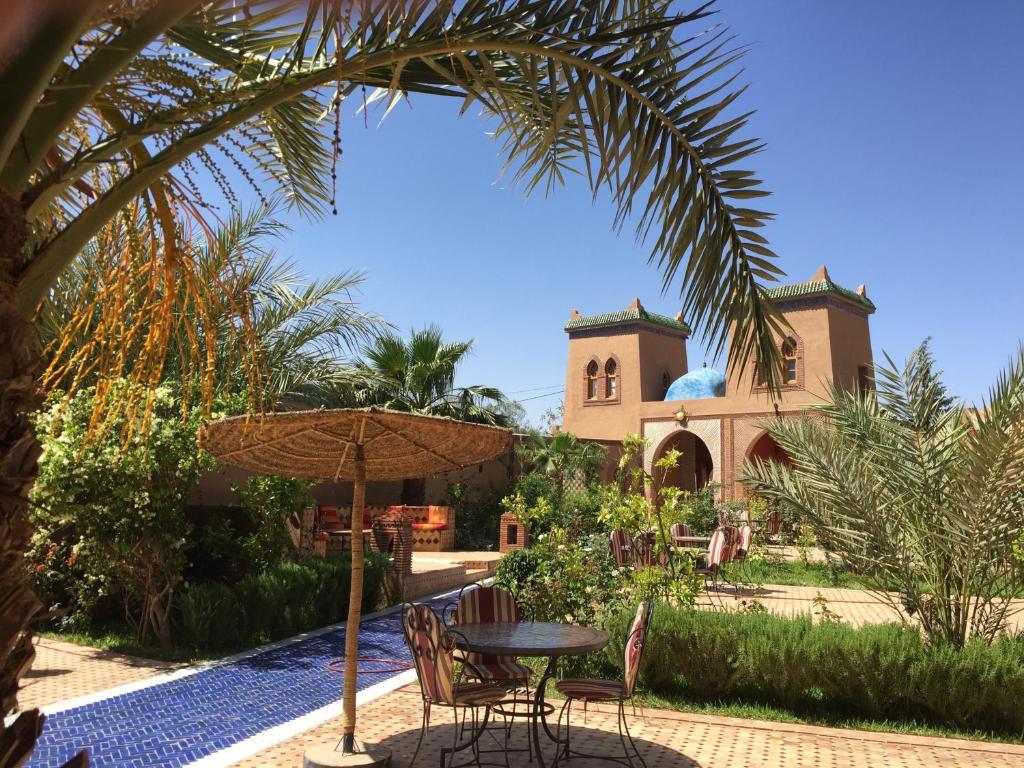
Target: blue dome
(701, 383)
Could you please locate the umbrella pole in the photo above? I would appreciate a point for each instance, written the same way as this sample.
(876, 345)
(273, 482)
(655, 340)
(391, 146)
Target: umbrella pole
(351, 753)
(355, 603)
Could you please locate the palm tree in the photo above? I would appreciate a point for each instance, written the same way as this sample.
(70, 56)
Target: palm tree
(303, 330)
(103, 133)
(920, 495)
(563, 457)
(418, 375)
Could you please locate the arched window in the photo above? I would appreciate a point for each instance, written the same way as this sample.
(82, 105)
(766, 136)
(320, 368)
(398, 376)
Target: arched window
(611, 379)
(789, 361)
(592, 380)
(666, 382)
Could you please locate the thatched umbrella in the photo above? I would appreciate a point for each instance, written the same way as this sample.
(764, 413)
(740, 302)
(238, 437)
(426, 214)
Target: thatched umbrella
(357, 445)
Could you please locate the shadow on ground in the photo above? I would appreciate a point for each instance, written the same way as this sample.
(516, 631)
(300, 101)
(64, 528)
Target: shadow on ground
(591, 740)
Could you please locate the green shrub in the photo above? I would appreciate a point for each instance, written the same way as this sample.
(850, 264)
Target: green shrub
(880, 672)
(865, 669)
(209, 617)
(476, 517)
(284, 600)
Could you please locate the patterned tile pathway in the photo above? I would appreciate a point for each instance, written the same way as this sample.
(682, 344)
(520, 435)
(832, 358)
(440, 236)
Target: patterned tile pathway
(666, 740)
(176, 722)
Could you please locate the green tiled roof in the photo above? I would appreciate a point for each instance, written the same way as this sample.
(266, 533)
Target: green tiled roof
(817, 288)
(626, 316)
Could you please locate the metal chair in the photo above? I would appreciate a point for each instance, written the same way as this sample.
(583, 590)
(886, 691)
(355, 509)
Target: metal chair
(646, 553)
(720, 551)
(480, 604)
(743, 539)
(613, 691)
(680, 530)
(433, 652)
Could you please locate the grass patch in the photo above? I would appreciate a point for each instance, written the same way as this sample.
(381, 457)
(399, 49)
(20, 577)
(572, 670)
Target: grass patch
(122, 640)
(787, 574)
(831, 718)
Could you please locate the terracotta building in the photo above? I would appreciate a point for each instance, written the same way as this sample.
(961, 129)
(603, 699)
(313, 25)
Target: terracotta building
(627, 372)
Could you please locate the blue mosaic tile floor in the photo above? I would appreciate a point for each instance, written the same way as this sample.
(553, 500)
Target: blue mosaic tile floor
(174, 723)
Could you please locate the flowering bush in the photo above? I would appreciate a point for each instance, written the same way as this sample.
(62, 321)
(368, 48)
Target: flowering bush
(109, 509)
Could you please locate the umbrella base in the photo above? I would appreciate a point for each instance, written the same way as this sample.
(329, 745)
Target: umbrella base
(331, 756)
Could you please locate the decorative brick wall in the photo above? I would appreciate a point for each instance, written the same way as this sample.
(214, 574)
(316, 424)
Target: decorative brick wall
(306, 542)
(512, 533)
(392, 532)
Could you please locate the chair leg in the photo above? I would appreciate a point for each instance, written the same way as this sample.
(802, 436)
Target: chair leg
(624, 725)
(423, 729)
(559, 750)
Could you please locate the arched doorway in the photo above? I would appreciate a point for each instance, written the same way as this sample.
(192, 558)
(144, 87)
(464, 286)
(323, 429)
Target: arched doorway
(766, 449)
(695, 468)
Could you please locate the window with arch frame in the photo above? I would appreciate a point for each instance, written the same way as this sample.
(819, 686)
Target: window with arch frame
(790, 361)
(592, 380)
(611, 379)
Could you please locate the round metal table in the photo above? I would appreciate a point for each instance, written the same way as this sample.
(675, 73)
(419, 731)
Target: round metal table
(536, 639)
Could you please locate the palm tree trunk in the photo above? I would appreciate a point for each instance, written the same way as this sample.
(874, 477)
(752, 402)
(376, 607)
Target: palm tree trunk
(19, 452)
(355, 605)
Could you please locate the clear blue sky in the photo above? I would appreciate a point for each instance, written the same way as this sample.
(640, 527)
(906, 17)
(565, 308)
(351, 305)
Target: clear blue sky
(894, 152)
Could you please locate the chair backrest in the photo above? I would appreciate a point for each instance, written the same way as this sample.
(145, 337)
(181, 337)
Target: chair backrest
(485, 605)
(744, 536)
(646, 551)
(621, 546)
(635, 641)
(433, 652)
(679, 529)
(720, 548)
(773, 522)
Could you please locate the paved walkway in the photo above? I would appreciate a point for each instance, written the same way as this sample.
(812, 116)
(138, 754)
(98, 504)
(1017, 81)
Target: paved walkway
(666, 740)
(195, 712)
(65, 671)
(854, 606)
(283, 695)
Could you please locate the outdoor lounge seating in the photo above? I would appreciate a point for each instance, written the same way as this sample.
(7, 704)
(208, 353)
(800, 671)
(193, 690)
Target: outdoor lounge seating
(619, 692)
(433, 527)
(433, 653)
(335, 523)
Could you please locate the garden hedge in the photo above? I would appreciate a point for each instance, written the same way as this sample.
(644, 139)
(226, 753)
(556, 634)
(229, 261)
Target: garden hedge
(283, 600)
(880, 672)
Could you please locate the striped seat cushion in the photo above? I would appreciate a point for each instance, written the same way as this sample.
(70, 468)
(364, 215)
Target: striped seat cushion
(592, 690)
(502, 671)
(478, 694)
(430, 526)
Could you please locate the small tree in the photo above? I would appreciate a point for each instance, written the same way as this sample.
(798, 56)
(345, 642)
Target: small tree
(915, 491)
(119, 503)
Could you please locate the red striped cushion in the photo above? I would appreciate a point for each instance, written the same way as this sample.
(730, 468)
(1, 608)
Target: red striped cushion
(432, 651)
(634, 646)
(478, 694)
(621, 546)
(504, 671)
(592, 690)
(486, 605)
(429, 526)
(746, 535)
(680, 529)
